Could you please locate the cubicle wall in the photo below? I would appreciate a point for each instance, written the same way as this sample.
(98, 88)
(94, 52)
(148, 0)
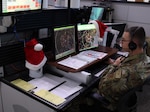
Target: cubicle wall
(26, 27)
(1, 107)
(132, 14)
(46, 18)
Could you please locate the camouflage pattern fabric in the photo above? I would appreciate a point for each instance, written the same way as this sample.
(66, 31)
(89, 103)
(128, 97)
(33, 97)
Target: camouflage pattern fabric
(117, 80)
(148, 46)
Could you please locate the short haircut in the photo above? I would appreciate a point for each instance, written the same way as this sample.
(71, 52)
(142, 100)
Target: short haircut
(137, 33)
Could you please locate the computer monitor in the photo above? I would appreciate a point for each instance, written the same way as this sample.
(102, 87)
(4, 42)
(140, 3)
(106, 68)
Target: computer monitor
(64, 41)
(24, 6)
(96, 13)
(87, 38)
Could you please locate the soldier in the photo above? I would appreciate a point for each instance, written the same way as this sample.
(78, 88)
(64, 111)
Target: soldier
(125, 73)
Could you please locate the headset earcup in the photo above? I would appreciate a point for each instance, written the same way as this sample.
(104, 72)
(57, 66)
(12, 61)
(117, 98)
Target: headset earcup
(132, 45)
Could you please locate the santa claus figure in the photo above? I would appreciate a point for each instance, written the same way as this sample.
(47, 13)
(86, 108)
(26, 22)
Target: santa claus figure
(35, 58)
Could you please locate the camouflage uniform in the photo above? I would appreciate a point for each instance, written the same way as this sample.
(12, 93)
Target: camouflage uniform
(116, 80)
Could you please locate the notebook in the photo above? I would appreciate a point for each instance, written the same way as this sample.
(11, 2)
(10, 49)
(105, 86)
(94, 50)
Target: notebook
(82, 59)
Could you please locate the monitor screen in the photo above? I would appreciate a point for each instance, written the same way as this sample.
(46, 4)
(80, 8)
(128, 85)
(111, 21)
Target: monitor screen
(64, 40)
(87, 38)
(17, 6)
(96, 13)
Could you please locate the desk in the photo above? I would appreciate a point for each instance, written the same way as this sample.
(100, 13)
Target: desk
(23, 101)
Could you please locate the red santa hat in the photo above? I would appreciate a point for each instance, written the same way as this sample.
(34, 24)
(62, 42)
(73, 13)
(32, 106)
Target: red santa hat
(35, 58)
(100, 26)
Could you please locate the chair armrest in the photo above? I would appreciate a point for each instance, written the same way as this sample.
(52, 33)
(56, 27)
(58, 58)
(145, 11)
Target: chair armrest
(97, 97)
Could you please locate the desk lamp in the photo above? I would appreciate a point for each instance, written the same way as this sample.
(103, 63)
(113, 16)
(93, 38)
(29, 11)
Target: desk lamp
(35, 58)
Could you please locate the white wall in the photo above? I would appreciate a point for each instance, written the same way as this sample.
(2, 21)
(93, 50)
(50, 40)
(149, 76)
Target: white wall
(133, 15)
(1, 108)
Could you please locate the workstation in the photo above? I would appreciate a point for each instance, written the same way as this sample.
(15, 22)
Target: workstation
(64, 83)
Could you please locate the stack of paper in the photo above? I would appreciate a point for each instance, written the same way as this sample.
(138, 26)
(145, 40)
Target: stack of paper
(82, 59)
(93, 54)
(67, 89)
(73, 62)
(53, 98)
(49, 87)
(45, 82)
(23, 84)
(54, 89)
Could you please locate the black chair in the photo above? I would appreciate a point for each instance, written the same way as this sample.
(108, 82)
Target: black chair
(127, 103)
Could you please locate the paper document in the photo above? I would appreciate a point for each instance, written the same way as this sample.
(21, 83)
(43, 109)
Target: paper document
(82, 59)
(23, 84)
(67, 89)
(88, 59)
(46, 82)
(73, 63)
(53, 98)
(94, 54)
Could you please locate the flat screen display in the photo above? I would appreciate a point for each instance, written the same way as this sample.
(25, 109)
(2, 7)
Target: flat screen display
(96, 13)
(64, 40)
(16, 6)
(87, 38)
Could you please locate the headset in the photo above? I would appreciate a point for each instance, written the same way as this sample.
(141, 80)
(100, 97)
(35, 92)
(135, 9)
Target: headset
(132, 45)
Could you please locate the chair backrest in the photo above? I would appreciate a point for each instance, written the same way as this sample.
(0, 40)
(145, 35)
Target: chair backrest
(128, 102)
(107, 37)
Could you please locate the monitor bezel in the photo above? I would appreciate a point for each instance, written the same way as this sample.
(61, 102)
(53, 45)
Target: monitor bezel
(88, 48)
(99, 18)
(20, 12)
(54, 40)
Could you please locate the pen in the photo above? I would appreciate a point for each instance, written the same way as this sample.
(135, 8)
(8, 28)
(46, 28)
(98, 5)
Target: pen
(32, 90)
(57, 86)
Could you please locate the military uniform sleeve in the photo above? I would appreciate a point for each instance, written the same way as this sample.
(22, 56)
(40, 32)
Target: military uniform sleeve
(113, 81)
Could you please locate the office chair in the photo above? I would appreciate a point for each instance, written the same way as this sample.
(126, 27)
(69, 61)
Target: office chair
(110, 40)
(127, 103)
